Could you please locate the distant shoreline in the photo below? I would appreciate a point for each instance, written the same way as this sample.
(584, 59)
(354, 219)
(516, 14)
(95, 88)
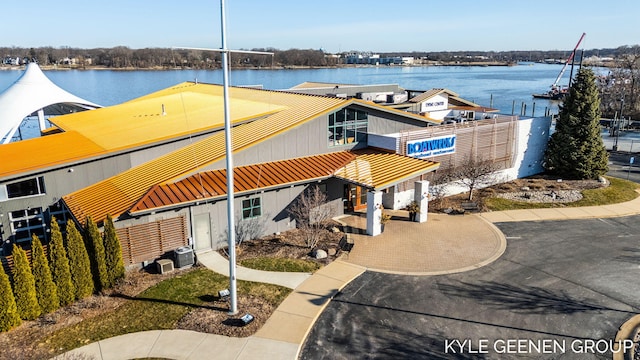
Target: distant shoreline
(288, 67)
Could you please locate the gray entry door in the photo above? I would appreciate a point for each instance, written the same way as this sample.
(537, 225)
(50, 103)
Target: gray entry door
(202, 231)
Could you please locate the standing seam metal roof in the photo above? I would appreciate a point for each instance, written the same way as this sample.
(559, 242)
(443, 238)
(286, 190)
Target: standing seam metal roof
(117, 194)
(369, 168)
(379, 170)
(212, 184)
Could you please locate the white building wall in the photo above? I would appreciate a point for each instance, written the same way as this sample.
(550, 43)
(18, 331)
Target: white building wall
(439, 115)
(436, 103)
(531, 143)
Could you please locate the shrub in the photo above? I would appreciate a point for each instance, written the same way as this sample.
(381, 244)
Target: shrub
(113, 252)
(24, 285)
(79, 263)
(60, 266)
(46, 290)
(95, 248)
(9, 317)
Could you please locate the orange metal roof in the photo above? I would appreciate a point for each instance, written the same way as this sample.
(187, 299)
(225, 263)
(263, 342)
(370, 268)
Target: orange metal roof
(379, 170)
(117, 194)
(212, 184)
(46, 152)
(174, 112)
(189, 108)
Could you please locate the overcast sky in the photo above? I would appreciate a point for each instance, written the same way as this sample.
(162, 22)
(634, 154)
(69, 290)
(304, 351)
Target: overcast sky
(332, 25)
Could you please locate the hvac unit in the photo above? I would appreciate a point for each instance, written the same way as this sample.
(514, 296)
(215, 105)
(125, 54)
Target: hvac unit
(183, 256)
(164, 265)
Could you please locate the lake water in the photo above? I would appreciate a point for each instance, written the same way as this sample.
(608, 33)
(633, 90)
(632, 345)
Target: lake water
(504, 87)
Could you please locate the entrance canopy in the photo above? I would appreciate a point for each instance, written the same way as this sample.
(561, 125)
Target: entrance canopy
(378, 170)
(34, 93)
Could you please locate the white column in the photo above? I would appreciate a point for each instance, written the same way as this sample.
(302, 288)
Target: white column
(41, 119)
(374, 210)
(421, 196)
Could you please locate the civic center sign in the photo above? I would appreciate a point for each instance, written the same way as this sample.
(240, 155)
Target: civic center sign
(425, 148)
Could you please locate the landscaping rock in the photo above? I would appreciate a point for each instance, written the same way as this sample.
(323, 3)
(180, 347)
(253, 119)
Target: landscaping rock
(319, 254)
(563, 196)
(331, 251)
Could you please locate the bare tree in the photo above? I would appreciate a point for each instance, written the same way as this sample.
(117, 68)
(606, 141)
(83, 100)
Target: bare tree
(312, 214)
(248, 229)
(439, 186)
(474, 172)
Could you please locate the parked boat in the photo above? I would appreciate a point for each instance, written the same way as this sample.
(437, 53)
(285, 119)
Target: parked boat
(556, 93)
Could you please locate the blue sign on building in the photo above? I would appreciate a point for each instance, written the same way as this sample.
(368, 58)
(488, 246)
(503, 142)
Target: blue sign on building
(432, 147)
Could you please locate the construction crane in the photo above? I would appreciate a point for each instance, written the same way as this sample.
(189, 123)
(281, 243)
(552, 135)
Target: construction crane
(569, 60)
(556, 92)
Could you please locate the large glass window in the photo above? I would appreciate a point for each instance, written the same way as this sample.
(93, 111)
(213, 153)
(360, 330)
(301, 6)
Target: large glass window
(251, 208)
(348, 126)
(30, 187)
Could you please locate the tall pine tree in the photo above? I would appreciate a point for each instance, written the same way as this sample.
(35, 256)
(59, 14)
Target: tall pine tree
(60, 266)
(24, 285)
(95, 248)
(113, 252)
(9, 317)
(46, 290)
(79, 262)
(576, 149)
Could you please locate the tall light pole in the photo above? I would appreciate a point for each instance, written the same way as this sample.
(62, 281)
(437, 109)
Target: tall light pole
(617, 127)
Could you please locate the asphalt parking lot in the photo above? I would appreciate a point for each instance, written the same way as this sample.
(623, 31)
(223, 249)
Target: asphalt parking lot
(561, 285)
(620, 166)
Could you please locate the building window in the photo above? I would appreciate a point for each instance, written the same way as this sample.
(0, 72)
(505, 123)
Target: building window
(348, 126)
(30, 187)
(26, 223)
(251, 208)
(61, 214)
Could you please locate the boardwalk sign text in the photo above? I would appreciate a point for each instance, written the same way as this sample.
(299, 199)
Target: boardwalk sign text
(425, 148)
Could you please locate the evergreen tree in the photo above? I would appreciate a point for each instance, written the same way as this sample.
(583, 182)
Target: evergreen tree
(95, 248)
(46, 290)
(60, 266)
(24, 285)
(113, 252)
(576, 149)
(9, 317)
(78, 262)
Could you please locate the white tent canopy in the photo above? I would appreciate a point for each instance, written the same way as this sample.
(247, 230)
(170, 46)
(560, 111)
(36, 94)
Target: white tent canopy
(32, 93)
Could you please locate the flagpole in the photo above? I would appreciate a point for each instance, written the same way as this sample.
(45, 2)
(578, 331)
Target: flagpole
(233, 293)
(233, 303)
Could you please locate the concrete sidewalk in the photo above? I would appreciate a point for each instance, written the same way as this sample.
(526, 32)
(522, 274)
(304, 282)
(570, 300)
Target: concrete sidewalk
(216, 262)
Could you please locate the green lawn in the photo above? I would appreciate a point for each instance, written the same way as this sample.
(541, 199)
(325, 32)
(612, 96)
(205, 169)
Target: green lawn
(619, 191)
(159, 307)
(285, 265)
